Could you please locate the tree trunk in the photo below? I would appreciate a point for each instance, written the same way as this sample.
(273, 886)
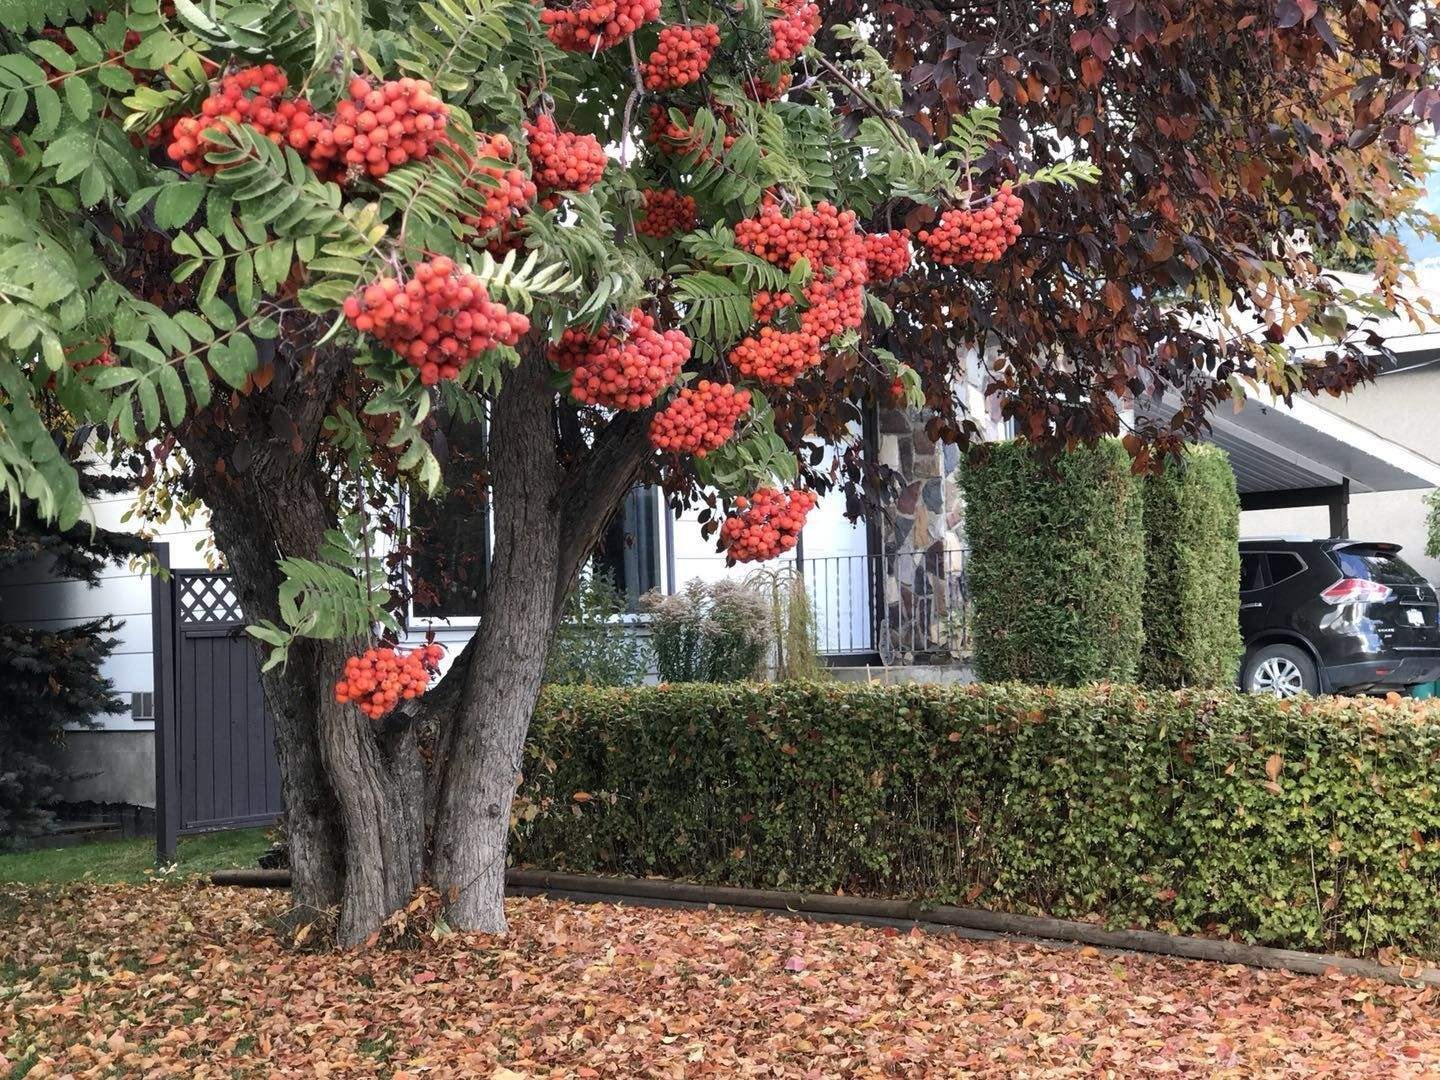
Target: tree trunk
(482, 747)
(367, 821)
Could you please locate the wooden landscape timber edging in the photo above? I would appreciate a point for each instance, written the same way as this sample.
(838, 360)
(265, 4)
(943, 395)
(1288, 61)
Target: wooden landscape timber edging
(909, 914)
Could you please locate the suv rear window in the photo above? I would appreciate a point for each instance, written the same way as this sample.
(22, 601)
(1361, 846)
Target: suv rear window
(1382, 566)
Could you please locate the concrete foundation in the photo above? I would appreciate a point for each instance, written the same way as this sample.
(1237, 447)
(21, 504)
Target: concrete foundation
(903, 674)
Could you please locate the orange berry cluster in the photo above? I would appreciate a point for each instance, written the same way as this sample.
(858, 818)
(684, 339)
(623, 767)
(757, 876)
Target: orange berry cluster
(976, 236)
(766, 524)
(666, 212)
(887, 255)
(835, 297)
(250, 96)
(505, 204)
(765, 305)
(104, 358)
(699, 418)
(623, 371)
(795, 28)
(835, 300)
(380, 679)
(681, 57)
(562, 160)
(824, 235)
(373, 131)
(776, 357)
(382, 127)
(670, 138)
(439, 320)
(763, 90)
(592, 25)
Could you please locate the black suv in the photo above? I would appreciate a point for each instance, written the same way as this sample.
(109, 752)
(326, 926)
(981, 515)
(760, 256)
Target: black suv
(1332, 616)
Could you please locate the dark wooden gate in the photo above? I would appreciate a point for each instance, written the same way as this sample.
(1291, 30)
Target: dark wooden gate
(217, 743)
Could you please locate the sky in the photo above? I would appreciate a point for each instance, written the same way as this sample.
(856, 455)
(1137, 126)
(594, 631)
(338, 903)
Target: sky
(1424, 250)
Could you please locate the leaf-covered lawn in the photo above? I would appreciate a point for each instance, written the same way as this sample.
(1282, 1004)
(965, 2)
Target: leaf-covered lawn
(152, 981)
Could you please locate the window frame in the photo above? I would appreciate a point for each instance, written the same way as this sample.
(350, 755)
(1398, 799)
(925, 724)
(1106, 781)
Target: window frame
(664, 534)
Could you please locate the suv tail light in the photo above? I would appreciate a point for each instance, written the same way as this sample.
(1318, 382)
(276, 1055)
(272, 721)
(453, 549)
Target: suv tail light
(1352, 590)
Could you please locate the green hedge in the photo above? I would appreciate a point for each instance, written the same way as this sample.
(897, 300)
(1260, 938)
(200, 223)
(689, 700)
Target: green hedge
(1191, 611)
(1312, 824)
(1056, 565)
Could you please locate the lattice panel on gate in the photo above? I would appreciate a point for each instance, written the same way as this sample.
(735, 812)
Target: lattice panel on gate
(207, 600)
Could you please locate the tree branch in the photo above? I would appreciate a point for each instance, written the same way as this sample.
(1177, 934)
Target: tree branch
(596, 487)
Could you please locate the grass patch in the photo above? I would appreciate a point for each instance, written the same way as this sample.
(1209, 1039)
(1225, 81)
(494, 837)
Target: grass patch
(129, 860)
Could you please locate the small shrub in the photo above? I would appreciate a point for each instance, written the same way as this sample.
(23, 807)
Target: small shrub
(592, 646)
(1305, 824)
(708, 632)
(1191, 611)
(795, 654)
(1056, 568)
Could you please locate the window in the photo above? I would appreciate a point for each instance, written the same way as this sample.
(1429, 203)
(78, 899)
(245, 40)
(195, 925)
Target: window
(450, 536)
(1250, 572)
(1283, 565)
(629, 552)
(1382, 566)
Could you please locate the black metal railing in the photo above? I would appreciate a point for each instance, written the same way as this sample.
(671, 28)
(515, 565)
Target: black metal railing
(905, 607)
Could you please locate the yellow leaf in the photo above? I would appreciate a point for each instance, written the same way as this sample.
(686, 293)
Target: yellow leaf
(582, 796)
(1273, 764)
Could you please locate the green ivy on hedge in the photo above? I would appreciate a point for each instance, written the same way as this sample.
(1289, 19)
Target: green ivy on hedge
(1191, 611)
(1309, 824)
(1056, 565)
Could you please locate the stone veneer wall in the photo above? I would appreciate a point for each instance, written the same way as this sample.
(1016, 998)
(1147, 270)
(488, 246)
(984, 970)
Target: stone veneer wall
(922, 535)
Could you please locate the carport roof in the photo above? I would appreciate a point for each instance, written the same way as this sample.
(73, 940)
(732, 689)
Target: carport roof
(1279, 447)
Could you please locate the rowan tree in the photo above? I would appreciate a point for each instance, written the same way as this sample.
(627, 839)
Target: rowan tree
(642, 241)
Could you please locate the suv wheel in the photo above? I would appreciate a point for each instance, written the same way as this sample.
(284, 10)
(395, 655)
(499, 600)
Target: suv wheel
(1280, 670)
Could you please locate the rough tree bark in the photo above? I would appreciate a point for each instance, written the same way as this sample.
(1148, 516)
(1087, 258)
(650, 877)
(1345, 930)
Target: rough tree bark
(481, 750)
(367, 819)
(352, 798)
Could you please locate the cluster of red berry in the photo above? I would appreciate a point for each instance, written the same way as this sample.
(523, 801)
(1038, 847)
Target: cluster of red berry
(776, 357)
(382, 127)
(699, 419)
(505, 200)
(625, 370)
(671, 138)
(89, 357)
(765, 305)
(976, 236)
(666, 212)
(562, 160)
(887, 255)
(763, 90)
(834, 298)
(681, 57)
(825, 236)
(374, 130)
(380, 679)
(766, 524)
(796, 27)
(591, 25)
(439, 320)
(247, 96)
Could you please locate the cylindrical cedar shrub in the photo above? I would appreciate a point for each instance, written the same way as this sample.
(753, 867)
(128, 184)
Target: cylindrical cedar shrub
(1056, 567)
(1191, 611)
(1308, 824)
